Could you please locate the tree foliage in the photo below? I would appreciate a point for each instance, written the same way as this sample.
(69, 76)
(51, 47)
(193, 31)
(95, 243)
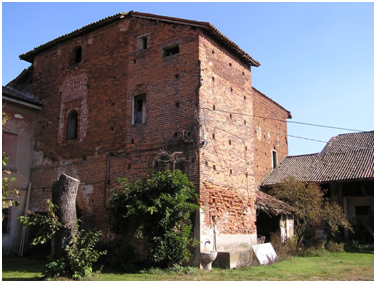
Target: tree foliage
(80, 253)
(157, 208)
(312, 210)
(7, 179)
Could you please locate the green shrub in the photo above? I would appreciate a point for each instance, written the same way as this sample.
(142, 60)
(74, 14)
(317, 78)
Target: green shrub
(286, 249)
(335, 247)
(81, 253)
(159, 209)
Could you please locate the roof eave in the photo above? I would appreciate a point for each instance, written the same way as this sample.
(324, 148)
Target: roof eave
(29, 56)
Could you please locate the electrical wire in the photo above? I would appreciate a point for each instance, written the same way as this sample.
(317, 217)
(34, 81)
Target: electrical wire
(285, 121)
(282, 134)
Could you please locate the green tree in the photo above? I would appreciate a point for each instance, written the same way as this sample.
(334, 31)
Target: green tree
(312, 209)
(157, 208)
(7, 179)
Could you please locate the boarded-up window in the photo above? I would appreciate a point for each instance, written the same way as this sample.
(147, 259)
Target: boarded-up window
(139, 109)
(72, 122)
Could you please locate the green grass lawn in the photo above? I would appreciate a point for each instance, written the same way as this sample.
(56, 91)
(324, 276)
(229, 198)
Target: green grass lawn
(330, 267)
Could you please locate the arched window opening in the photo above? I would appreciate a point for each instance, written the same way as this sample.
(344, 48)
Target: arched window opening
(72, 123)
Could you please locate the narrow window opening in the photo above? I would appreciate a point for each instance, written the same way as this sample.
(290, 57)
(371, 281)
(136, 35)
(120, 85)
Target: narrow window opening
(177, 104)
(84, 158)
(6, 220)
(76, 55)
(134, 61)
(213, 79)
(144, 42)
(212, 51)
(139, 110)
(175, 135)
(229, 142)
(213, 107)
(230, 64)
(230, 115)
(176, 76)
(274, 157)
(129, 166)
(213, 136)
(246, 149)
(213, 167)
(171, 50)
(72, 123)
(132, 141)
(245, 97)
(245, 122)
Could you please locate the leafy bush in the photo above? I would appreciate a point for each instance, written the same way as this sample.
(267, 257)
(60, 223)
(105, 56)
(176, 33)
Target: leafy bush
(311, 208)
(157, 208)
(284, 250)
(335, 247)
(80, 253)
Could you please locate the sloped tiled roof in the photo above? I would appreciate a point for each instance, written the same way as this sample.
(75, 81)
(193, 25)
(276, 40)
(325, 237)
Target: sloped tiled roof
(22, 96)
(88, 28)
(271, 205)
(345, 157)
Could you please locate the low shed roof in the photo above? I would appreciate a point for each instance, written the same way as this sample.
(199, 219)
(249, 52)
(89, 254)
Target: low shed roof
(345, 157)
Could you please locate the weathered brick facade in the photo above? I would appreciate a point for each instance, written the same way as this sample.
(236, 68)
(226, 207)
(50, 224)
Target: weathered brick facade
(141, 83)
(270, 132)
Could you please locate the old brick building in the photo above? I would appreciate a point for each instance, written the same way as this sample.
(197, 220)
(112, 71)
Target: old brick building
(122, 93)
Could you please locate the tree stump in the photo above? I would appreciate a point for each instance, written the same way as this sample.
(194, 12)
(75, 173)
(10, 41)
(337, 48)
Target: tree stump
(64, 194)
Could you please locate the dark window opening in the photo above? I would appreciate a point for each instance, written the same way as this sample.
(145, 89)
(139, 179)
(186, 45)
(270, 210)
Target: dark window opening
(171, 50)
(274, 157)
(362, 210)
(72, 123)
(6, 220)
(77, 55)
(139, 109)
(144, 42)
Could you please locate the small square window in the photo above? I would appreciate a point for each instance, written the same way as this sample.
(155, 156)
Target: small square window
(139, 109)
(170, 50)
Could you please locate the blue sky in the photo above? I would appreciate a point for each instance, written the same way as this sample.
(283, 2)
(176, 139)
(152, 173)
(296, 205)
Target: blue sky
(317, 59)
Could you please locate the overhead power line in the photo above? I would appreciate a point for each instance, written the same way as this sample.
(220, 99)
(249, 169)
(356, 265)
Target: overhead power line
(285, 121)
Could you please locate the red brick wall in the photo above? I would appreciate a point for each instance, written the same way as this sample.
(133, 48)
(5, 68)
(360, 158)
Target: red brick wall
(270, 132)
(226, 161)
(204, 81)
(101, 88)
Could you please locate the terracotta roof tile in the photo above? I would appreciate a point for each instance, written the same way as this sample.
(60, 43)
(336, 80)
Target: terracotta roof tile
(23, 96)
(345, 157)
(204, 25)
